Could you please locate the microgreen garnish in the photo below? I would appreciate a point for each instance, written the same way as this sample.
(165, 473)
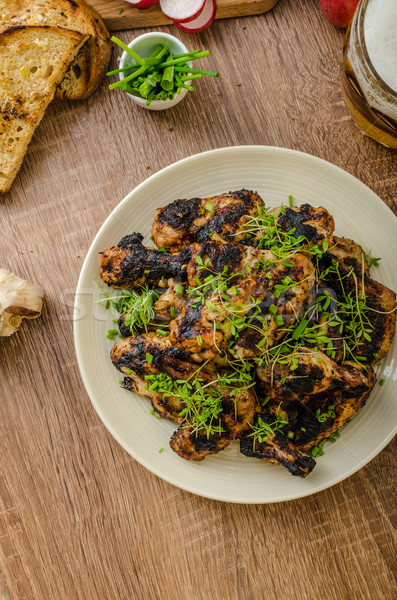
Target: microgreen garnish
(202, 400)
(371, 260)
(262, 431)
(136, 306)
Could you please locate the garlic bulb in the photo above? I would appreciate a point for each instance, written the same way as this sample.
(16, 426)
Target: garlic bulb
(19, 299)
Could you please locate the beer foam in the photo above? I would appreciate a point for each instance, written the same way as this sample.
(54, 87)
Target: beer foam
(380, 32)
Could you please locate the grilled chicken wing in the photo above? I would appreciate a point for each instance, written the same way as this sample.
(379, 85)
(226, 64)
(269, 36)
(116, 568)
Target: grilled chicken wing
(317, 397)
(348, 276)
(193, 445)
(237, 407)
(322, 414)
(315, 224)
(278, 449)
(130, 356)
(272, 445)
(130, 264)
(382, 304)
(195, 220)
(315, 372)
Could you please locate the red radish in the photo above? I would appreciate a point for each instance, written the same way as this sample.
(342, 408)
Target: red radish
(142, 3)
(339, 12)
(182, 11)
(203, 21)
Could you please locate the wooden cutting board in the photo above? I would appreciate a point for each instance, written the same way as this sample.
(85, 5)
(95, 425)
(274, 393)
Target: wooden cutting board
(131, 18)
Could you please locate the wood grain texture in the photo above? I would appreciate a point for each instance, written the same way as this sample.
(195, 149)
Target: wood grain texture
(79, 518)
(133, 18)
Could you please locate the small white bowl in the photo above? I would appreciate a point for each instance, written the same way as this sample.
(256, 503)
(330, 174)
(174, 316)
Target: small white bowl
(144, 45)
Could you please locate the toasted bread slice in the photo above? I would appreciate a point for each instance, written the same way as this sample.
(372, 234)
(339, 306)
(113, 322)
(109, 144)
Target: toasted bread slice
(33, 62)
(87, 71)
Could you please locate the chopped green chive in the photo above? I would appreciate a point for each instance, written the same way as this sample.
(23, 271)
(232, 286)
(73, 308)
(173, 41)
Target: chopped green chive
(278, 319)
(209, 206)
(161, 332)
(300, 329)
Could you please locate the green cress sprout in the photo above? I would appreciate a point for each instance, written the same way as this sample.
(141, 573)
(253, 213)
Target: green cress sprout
(161, 75)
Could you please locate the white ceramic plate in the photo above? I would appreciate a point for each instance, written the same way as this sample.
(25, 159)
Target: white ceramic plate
(274, 173)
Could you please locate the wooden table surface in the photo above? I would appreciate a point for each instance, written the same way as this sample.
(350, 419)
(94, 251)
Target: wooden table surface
(79, 518)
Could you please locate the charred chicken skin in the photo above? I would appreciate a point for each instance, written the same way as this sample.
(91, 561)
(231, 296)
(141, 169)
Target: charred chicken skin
(260, 283)
(348, 275)
(263, 326)
(235, 409)
(195, 220)
(315, 224)
(130, 264)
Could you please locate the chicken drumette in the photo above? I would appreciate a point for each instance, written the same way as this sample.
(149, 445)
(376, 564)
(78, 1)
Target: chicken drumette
(183, 222)
(233, 408)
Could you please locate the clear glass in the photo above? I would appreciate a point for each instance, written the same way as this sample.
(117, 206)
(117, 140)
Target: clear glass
(372, 103)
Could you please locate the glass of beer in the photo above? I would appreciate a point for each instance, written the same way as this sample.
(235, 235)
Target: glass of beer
(369, 70)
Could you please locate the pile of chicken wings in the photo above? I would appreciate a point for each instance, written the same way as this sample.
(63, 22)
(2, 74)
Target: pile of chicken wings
(258, 329)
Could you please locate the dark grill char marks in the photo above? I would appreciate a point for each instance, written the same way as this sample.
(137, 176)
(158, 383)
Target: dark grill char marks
(130, 264)
(196, 446)
(380, 299)
(315, 224)
(192, 322)
(315, 373)
(315, 389)
(180, 214)
(346, 403)
(254, 285)
(220, 255)
(130, 356)
(279, 449)
(186, 221)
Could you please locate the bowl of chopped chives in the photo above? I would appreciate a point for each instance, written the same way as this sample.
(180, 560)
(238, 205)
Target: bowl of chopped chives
(156, 70)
